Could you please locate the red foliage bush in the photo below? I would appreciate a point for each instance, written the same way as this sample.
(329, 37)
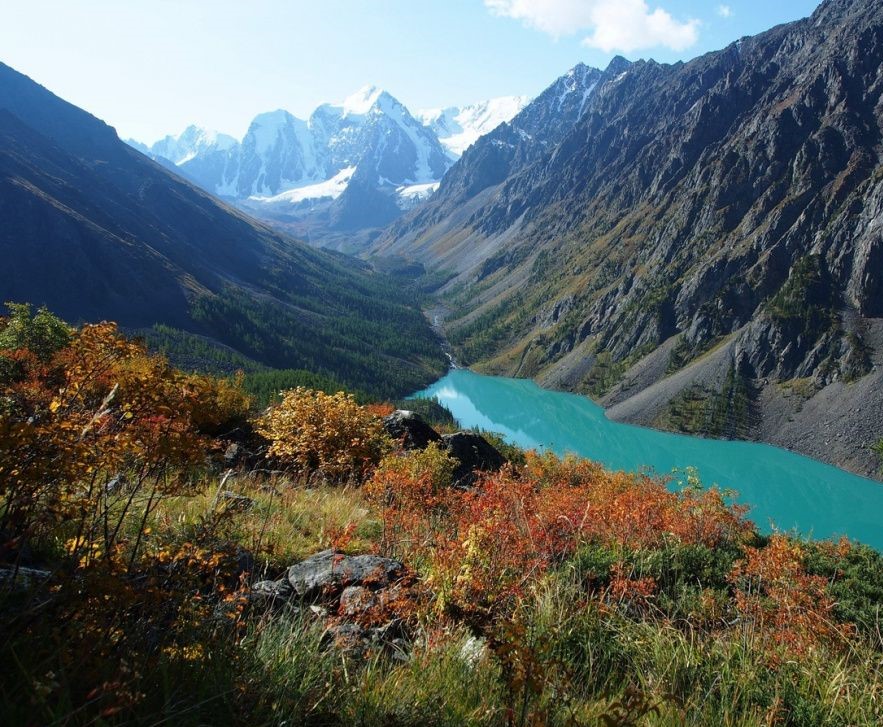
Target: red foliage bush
(487, 546)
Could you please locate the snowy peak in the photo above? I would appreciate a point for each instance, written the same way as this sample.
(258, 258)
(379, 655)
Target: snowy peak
(367, 157)
(555, 111)
(362, 101)
(375, 132)
(458, 127)
(190, 142)
(572, 91)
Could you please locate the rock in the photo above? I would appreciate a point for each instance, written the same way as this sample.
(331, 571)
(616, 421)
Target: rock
(330, 573)
(22, 579)
(271, 594)
(355, 600)
(409, 428)
(231, 454)
(115, 484)
(474, 453)
(348, 637)
(473, 650)
(356, 640)
(394, 631)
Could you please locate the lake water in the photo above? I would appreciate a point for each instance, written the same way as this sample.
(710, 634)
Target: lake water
(784, 490)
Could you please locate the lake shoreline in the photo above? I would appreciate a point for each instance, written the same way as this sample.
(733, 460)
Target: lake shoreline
(814, 496)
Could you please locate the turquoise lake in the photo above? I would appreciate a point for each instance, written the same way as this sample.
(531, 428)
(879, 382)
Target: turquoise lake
(783, 489)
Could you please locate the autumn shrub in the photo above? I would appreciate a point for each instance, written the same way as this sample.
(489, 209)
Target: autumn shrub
(217, 406)
(488, 545)
(413, 492)
(788, 606)
(95, 430)
(312, 431)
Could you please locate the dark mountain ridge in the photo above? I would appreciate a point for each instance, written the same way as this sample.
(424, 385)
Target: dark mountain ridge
(701, 250)
(95, 230)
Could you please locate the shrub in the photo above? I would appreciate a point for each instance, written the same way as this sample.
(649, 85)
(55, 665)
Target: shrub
(785, 603)
(41, 333)
(316, 432)
(95, 430)
(413, 492)
(217, 405)
(854, 574)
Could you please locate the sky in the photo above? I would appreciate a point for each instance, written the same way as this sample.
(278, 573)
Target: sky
(152, 67)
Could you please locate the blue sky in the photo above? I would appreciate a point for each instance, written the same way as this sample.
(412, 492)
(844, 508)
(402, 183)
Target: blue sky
(150, 67)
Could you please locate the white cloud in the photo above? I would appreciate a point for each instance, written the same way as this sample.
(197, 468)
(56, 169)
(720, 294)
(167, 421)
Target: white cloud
(725, 11)
(624, 25)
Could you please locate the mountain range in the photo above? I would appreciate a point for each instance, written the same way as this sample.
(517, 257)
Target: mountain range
(337, 177)
(95, 230)
(698, 245)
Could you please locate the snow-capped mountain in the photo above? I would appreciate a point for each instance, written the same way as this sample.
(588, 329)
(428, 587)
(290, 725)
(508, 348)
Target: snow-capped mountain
(194, 140)
(502, 153)
(207, 157)
(351, 165)
(458, 127)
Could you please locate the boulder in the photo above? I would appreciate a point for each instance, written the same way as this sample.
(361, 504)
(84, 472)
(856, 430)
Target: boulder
(356, 600)
(328, 573)
(473, 453)
(14, 578)
(232, 453)
(350, 595)
(355, 640)
(410, 429)
(272, 595)
(349, 638)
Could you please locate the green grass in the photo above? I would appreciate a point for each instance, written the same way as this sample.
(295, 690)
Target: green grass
(576, 659)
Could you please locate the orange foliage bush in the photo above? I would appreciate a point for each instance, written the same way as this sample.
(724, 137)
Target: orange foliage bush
(94, 430)
(414, 493)
(379, 410)
(776, 596)
(486, 546)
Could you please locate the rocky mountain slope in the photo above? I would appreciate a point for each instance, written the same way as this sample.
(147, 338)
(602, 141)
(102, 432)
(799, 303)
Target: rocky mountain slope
(339, 176)
(701, 250)
(431, 233)
(95, 230)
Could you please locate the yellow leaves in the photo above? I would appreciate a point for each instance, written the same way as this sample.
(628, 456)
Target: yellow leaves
(87, 550)
(101, 406)
(311, 430)
(191, 652)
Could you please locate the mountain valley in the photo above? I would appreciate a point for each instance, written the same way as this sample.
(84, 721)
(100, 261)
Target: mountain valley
(96, 231)
(696, 246)
(559, 410)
